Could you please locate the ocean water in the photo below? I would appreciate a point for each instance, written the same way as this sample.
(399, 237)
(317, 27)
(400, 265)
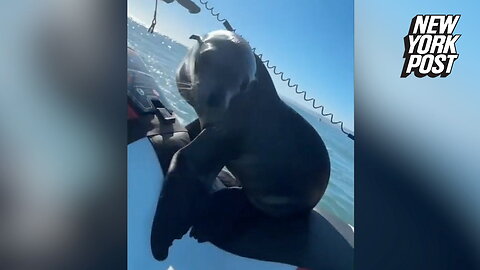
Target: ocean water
(163, 55)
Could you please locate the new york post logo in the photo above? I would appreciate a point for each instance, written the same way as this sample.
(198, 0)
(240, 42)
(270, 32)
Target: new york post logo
(430, 46)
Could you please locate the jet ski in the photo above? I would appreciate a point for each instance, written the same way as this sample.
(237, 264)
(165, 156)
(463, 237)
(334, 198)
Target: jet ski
(154, 135)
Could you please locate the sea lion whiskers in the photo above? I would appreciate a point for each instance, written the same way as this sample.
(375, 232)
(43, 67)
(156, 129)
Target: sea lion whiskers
(185, 88)
(185, 83)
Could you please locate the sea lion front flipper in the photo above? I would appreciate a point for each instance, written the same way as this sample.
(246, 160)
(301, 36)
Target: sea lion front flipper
(204, 157)
(185, 189)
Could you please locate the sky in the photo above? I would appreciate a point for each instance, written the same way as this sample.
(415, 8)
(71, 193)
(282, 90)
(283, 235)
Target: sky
(311, 41)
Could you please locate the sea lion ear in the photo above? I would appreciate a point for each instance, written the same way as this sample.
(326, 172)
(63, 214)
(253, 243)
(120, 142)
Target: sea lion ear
(197, 38)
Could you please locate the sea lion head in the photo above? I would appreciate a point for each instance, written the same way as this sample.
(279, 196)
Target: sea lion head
(218, 68)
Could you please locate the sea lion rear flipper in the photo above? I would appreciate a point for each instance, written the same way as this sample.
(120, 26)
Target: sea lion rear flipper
(309, 241)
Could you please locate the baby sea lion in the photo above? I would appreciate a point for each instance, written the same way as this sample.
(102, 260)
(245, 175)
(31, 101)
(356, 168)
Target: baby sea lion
(279, 159)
